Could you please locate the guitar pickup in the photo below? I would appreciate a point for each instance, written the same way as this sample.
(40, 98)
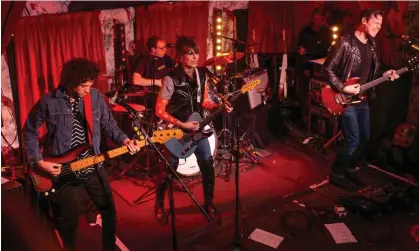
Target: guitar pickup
(189, 147)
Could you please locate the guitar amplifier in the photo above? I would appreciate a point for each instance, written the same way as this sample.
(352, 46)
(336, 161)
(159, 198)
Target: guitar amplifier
(314, 90)
(322, 123)
(253, 98)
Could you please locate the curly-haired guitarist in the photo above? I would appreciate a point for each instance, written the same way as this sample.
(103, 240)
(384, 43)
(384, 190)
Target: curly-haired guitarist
(76, 114)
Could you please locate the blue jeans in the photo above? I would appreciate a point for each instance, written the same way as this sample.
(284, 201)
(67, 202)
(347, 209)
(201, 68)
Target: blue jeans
(204, 159)
(355, 122)
(202, 151)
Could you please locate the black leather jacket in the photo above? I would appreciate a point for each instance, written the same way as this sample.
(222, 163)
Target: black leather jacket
(184, 98)
(344, 58)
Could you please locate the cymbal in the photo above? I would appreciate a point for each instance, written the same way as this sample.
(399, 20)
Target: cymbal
(246, 73)
(239, 75)
(319, 61)
(119, 108)
(136, 94)
(223, 59)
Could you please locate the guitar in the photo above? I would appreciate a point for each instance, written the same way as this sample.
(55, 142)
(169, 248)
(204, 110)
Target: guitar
(185, 147)
(283, 89)
(336, 102)
(72, 167)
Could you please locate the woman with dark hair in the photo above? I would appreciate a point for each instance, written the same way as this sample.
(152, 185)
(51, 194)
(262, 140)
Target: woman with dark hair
(183, 92)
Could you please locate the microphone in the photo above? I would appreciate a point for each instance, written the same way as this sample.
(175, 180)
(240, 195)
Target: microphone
(170, 45)
(405, 38)
(111, 94)
(402, 37)
(214, 79)
(120, 101)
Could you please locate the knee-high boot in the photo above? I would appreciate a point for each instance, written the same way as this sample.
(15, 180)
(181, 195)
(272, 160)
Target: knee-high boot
(208, 181)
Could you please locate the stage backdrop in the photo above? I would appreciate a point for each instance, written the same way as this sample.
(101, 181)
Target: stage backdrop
(44, 43)
(163, 19)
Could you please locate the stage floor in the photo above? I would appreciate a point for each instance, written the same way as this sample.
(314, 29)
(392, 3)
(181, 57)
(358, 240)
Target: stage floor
(266, 193)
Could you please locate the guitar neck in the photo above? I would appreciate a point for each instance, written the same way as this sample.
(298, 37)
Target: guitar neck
(90, 161)
(220, 109)
(381, 79)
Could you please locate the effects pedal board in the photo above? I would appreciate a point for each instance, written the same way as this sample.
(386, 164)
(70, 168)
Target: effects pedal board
(373, 201)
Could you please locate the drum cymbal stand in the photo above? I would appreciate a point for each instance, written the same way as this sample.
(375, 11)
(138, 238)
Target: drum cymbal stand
(224, 137)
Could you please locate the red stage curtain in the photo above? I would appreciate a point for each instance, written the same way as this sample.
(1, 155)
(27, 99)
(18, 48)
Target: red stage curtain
(43, 43)
(162, 19)
(267, 20)
(11, 12)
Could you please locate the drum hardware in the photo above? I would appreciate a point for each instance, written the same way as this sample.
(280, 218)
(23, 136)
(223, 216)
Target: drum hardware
(226, 158)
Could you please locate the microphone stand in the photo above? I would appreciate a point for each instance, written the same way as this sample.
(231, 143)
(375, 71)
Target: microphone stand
(136, 120)
(153, 86)
(237, 244)
(408, 40)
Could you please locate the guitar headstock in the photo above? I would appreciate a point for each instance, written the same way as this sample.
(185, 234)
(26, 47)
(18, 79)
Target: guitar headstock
(161, 136)
(413, 63)
(251, 85)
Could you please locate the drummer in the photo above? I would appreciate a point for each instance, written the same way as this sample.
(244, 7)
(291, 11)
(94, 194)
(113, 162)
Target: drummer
(155, 64)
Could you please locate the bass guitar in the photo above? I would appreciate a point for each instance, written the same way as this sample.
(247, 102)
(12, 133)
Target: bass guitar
(185, 147)
(72, 167)
(336, 102)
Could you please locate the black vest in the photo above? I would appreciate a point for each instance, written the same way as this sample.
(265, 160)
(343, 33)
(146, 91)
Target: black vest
(184, 98)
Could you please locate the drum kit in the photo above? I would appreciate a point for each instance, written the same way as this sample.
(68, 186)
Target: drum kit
(139, 99)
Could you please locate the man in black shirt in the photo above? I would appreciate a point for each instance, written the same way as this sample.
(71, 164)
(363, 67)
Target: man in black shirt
(155, 65)
(313, 43)
(354, 55)
(315, 39)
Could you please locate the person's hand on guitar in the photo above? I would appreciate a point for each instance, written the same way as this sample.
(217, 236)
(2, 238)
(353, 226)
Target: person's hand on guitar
(352, 89)
(52, 168)
(392, 74)
(190, 125)
(133, 146)
(228, 107)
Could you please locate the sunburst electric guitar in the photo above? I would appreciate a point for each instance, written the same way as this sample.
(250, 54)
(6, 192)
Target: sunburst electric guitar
(72, 167)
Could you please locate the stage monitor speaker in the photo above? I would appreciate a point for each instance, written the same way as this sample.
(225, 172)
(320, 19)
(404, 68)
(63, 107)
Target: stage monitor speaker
(255, 125)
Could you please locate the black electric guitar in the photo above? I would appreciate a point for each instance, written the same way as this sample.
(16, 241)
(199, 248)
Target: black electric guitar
(185, 147)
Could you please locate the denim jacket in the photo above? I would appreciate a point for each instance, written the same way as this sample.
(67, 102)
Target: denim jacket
(55, 109)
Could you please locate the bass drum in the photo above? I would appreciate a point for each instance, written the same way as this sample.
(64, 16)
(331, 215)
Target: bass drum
(189, 166)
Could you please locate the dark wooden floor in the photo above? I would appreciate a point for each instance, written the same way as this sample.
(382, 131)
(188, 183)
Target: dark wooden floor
(267, 192)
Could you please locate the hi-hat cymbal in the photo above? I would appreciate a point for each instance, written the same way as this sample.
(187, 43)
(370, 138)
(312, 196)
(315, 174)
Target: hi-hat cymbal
(223, 59)
(136, 94)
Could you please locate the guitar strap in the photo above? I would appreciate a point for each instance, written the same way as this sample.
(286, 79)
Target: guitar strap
(89, 117)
